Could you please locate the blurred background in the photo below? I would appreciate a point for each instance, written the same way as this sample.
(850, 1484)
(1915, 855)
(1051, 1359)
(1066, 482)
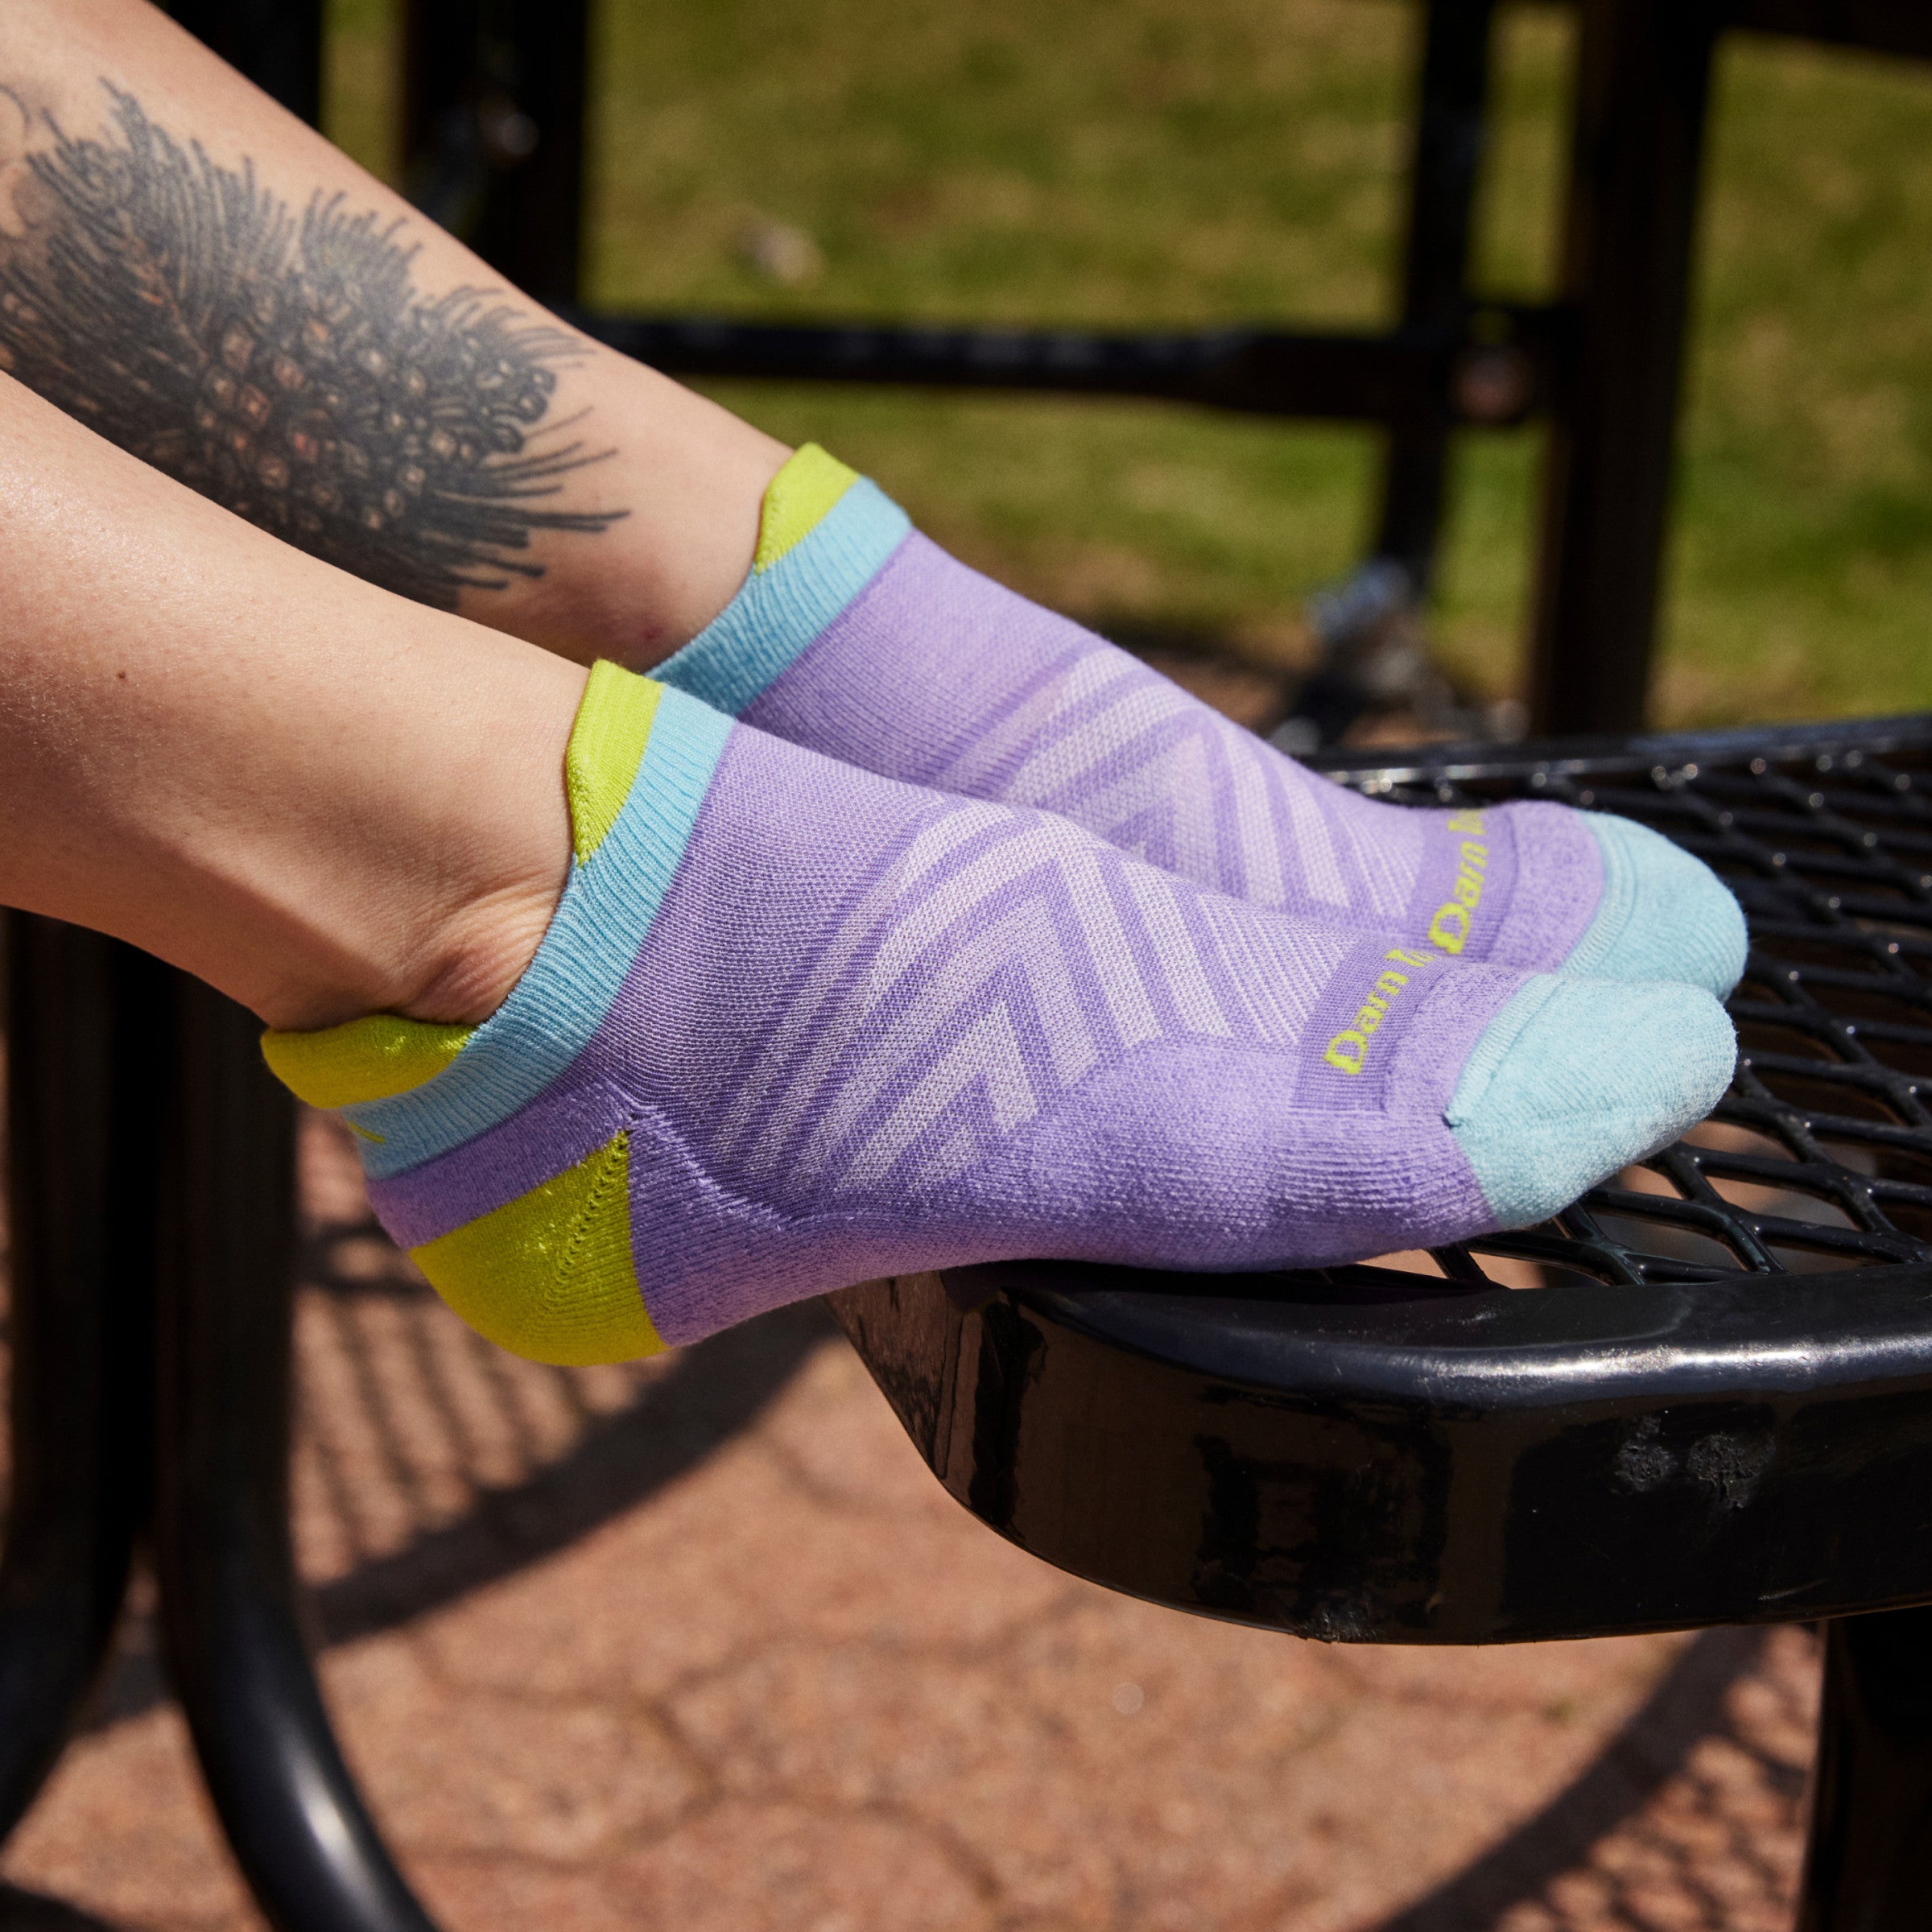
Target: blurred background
(1124, 163)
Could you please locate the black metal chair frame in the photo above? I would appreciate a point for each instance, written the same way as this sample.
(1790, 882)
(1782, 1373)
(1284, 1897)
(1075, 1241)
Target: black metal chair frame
(1602, 363)
(1648, 1441)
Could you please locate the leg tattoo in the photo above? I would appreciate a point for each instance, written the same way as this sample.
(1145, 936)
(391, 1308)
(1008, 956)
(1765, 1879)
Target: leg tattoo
(285, 366)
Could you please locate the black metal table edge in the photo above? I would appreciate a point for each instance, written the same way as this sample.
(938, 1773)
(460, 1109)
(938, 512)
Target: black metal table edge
(1750, 1335)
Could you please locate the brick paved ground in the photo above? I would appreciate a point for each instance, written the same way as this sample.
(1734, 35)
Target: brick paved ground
(702, 1646)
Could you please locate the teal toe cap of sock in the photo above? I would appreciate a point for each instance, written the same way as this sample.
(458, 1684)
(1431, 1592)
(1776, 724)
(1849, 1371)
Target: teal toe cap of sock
(1575, 1078)
(1663, 915)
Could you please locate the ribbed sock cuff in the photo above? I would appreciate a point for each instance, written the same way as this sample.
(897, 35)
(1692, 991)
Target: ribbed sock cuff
(630, 838)
(811, 562)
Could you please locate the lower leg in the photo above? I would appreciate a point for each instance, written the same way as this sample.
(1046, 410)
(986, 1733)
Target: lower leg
(322, 800)
(334, 367)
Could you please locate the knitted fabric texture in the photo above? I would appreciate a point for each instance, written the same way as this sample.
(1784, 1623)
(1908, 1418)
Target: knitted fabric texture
(856, 636)
(793, 1025)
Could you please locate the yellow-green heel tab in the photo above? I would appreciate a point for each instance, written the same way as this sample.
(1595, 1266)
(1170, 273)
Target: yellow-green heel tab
(369, 1060)
(826, 533)
(606, 747)
(797, 500)
(549, 1275)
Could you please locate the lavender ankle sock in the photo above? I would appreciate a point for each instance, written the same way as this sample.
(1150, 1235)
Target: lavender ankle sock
(793, 1025)
(856, 636)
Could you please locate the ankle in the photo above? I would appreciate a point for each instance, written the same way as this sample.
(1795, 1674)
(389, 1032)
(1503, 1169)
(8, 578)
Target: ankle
(453, 965)
(432, 901)
(480, 954)
(685, 485)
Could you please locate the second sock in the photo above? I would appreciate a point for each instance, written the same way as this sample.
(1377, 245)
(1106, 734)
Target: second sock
(857, 636)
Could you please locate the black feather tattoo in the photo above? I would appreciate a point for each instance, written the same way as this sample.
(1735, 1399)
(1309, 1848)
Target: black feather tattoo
(284, 366)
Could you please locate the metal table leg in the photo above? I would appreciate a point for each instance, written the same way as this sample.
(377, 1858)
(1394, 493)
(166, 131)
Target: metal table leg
(1868, 1866)
(1643, 88)
(1450, 110)
(229, 1597)
(80, 1218)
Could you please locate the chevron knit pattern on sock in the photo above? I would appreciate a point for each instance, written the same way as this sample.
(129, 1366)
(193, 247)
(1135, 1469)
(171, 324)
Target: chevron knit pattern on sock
(856, 636)
(793, 1025)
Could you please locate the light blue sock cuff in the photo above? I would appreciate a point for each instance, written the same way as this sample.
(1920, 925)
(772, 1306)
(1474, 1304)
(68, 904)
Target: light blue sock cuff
(754, 639)
(608, 902)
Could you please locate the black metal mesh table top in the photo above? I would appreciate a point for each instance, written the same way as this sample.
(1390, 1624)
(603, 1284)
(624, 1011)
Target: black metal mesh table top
(1697, 1414)
(1820, 1156)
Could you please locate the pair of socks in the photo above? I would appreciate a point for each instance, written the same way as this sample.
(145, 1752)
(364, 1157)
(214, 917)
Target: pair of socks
(1043, 960)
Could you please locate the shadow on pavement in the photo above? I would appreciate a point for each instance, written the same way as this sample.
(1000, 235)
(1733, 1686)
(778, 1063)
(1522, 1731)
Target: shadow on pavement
(705, 1395)
(429, 1466)
(1689, 1705)
(688, 1405)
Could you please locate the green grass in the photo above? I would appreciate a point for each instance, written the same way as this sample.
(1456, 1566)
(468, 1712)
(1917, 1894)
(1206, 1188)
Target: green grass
(1126, 162)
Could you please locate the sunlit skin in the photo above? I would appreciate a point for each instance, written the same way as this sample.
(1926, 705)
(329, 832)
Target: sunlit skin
(667, 512)
(321, 799)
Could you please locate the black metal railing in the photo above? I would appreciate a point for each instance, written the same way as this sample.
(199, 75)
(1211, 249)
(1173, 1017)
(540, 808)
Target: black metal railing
(494, 130)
